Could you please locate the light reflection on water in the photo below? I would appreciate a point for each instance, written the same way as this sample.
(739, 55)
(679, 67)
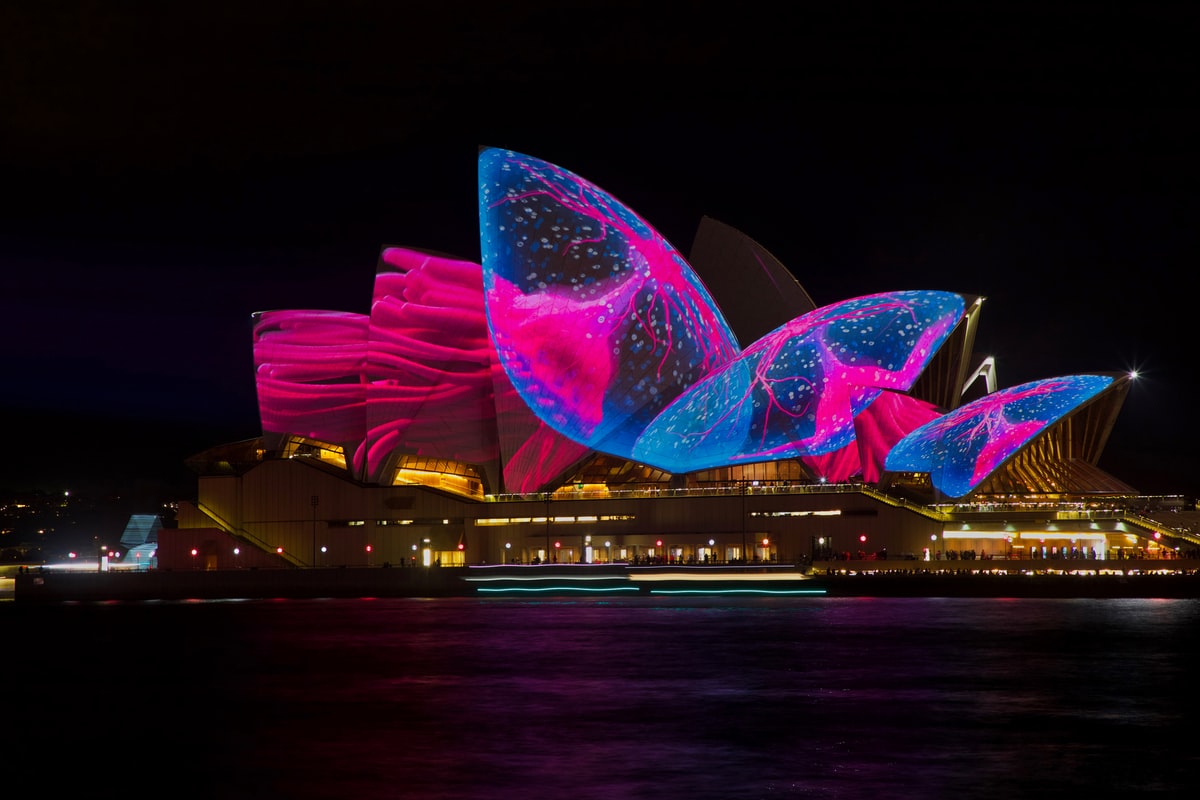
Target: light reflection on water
(631, 697)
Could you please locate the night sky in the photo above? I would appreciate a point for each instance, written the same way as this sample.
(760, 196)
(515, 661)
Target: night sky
(168, 173)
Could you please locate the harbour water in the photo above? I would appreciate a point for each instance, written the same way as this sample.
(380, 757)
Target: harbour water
(606, 697)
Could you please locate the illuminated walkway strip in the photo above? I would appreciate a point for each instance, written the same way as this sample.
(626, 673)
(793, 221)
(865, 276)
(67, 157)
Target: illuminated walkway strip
(739, 591)
(740, 577)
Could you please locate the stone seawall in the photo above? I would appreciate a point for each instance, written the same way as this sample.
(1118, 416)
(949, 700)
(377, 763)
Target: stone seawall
(1011, 585)
(51, 586)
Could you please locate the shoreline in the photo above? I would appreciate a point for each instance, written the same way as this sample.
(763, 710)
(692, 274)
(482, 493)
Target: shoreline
(50, 586)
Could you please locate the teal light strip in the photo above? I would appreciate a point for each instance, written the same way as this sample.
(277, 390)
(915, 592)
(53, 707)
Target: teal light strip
(536, 578)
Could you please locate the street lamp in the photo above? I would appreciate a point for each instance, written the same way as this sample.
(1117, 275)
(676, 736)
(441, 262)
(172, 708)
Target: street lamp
(743, 487)
(546, 497)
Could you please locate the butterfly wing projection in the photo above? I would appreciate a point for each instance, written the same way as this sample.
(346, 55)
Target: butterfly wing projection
(962, 448)
(796, 391)
(597, 319)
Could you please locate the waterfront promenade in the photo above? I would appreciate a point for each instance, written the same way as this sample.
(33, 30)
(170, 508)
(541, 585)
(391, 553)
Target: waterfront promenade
(834, 579)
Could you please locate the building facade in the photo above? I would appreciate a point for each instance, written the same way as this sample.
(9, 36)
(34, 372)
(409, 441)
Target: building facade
(580, 396)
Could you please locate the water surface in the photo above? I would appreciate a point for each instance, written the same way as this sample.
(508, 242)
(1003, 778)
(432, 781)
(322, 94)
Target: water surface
(608, 698)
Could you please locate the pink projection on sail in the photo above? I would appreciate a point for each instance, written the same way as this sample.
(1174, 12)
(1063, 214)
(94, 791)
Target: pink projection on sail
(433, 382)
(308, 372)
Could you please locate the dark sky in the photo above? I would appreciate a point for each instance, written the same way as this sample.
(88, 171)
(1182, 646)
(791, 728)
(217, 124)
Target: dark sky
(169, 170)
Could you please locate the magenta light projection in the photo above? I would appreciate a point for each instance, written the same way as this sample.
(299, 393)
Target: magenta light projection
(883, 423)
(962, 448)
(533, 453)
(308, 372)
(428, 362)
(597, 319)
(434, 388)
(797, 391)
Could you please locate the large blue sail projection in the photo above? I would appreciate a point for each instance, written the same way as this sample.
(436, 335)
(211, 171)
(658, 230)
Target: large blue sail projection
(597, 319)
(963, 447)
(797, 391)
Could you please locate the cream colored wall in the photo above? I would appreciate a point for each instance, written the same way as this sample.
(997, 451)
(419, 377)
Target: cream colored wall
(272, 503)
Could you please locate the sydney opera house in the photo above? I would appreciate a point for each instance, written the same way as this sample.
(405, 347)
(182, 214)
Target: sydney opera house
(588, 394)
